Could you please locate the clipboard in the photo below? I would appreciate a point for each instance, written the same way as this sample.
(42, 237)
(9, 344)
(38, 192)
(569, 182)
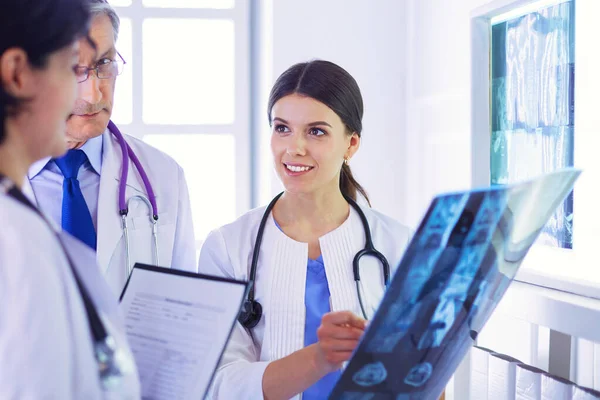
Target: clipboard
(178, 324)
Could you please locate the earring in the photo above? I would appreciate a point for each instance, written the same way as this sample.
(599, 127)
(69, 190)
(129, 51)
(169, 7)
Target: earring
(346, 160)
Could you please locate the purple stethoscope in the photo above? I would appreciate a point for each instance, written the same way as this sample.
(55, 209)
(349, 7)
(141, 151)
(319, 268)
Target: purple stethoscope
(128, 154)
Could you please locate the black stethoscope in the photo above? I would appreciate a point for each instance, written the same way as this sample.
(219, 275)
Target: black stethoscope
(251, 312)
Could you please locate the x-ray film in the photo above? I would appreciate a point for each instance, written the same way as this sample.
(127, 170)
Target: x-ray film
(456, 269)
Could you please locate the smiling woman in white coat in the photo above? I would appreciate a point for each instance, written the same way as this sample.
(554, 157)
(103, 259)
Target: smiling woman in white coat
(61, 336)
(93, 167)
(304, 315)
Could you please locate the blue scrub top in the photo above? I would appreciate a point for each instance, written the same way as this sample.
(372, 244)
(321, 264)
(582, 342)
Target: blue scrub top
(316, 300)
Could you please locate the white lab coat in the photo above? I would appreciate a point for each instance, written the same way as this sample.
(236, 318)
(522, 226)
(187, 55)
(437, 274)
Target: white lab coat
(45, 342)
(176, 242)
(280, 286)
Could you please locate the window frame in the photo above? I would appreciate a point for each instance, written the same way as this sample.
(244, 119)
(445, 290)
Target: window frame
(241, 128)
(586, 84)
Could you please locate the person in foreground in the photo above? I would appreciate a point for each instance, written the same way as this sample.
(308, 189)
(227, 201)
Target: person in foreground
(304, 315)
(59, 338)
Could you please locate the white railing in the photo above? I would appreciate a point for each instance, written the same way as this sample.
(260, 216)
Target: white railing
(550, 330)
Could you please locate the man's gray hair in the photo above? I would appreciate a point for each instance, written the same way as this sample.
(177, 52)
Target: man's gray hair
(101, 7)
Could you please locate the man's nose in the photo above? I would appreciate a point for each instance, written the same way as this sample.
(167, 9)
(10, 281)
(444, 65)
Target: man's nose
(89, 90)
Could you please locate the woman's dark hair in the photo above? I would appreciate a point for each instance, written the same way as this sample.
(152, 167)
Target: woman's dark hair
(333, 86)
(39, 27)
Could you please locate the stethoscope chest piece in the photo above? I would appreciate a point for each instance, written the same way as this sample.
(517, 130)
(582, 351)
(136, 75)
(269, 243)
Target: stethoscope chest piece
(250, 314)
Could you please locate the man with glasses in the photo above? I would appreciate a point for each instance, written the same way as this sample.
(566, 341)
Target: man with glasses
(80, 191)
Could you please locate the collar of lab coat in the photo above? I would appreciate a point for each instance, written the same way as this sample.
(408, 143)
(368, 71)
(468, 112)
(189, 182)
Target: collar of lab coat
(109, 220)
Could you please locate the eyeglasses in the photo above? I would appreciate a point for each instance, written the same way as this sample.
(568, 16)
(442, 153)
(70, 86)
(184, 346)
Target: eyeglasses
(105, 70)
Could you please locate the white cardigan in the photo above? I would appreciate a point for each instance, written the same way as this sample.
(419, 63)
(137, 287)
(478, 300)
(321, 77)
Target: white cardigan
(280, 284)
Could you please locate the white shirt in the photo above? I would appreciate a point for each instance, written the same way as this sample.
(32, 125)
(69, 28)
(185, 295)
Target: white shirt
(47, 182)
(280, 284)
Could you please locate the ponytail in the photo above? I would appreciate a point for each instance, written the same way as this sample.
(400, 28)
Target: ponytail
(349, 186)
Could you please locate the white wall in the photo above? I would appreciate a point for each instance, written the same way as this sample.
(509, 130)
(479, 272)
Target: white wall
(411, 59)
(367, 38)
(438, 100)
(439, 129)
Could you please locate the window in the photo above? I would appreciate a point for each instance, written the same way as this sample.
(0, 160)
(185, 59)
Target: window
(185, 90)
(532, 104)
(536, 111)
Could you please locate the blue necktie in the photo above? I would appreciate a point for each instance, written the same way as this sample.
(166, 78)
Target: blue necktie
(76, 217)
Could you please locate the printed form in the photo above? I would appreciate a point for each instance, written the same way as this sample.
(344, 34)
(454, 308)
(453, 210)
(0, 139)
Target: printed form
(177, 325)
